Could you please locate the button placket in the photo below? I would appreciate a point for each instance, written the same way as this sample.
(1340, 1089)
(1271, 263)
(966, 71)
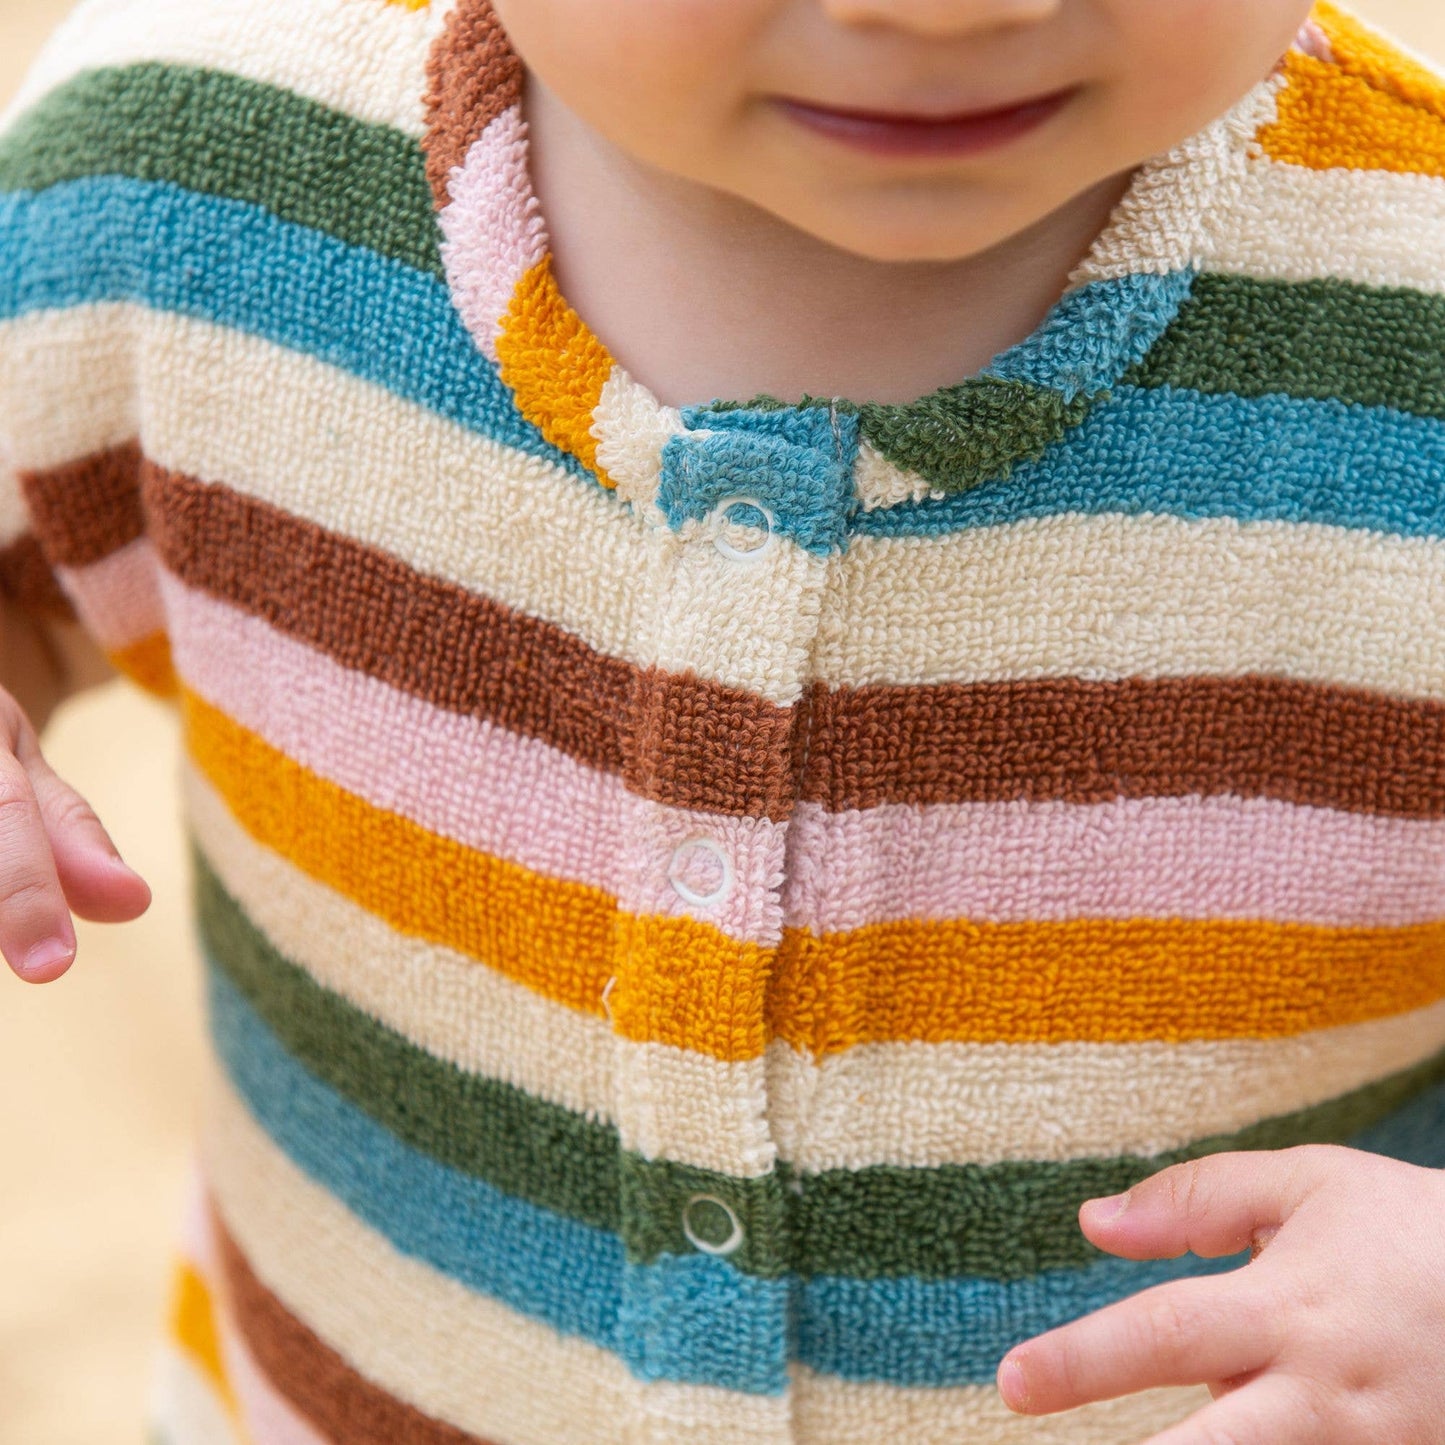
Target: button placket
(741, 527)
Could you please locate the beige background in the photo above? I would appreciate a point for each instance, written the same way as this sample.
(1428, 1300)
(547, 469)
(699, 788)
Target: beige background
(96, 1071)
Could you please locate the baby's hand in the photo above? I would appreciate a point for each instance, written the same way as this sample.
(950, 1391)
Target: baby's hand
(54, 857)
(1331, 1334)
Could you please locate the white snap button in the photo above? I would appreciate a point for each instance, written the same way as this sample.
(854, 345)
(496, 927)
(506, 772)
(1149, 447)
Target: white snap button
(684, 889)
(721, 519)
(695, 1213)
(607, 997)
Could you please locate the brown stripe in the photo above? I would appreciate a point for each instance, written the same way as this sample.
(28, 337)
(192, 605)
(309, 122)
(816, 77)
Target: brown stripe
(691, 743)
(27, 580)
(1088, 742)
(673, 738)
(473, 75)
(342, 1405)
(86, 509)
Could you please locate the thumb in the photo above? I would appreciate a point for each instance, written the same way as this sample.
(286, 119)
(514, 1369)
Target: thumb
(1213, 1206)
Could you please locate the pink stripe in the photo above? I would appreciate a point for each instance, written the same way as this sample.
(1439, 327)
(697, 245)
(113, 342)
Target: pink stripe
(479, 785)
(1220, 857)
(493, 227)
(518, 799)
(117, 598)
(270, 1418)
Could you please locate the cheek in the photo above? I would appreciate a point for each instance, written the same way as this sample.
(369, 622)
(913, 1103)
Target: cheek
(648, 74)
(1185, 62)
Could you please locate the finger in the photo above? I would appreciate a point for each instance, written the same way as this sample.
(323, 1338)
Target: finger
(1187, 1332)
(96, 881)
(1270, 1411)
(36, 934)
(1211, 1206)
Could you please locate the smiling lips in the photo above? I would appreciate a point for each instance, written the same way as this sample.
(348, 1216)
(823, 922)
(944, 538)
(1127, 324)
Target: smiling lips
(915, 135)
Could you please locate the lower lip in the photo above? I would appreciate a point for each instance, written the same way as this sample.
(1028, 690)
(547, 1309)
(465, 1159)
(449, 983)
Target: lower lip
(965, 135)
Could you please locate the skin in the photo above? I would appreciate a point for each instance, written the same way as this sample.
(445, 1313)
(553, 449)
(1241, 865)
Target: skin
(1330, 1334)
(681, 201)
(55, 856)
(680, 204)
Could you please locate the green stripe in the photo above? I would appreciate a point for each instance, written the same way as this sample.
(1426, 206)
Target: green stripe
(959, 437)
(1318, 340)
(221, 135)
(972, 433)
(998, 1221)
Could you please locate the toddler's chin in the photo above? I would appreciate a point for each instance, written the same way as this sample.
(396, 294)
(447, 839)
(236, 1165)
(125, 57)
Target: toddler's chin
(931, 229)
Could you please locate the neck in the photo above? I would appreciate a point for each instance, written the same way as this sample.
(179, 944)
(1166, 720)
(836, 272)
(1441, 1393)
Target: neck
(653, 262)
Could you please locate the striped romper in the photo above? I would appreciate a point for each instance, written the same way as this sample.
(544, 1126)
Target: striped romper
(692, 900)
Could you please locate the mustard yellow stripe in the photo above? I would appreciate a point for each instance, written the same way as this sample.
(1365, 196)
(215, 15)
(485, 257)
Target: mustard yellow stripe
(679, 982)
(682, 983)
(555, 366)
(193, 1328)
(1329, 118)
(1360, 51)
(148, 662)
(1096, 980)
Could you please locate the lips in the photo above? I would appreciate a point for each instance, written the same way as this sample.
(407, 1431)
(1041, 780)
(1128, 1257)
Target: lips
(915, 135)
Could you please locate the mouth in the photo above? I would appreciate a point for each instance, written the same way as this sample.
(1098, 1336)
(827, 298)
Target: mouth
(968, 133)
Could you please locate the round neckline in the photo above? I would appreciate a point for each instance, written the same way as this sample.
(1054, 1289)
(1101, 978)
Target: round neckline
(564, 380)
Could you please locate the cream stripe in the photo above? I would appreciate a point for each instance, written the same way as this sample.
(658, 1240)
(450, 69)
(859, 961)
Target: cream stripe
(1146, 596)
(928, 1104)
(932, 1104)
(1162, 222)
(830, 1411)
(1373, 228)
(449, 502)
(672, 1103)
(184, 1406)
(356, 56)
(66, 382)
(14, 515)
(1111, 595)
(420, 1335)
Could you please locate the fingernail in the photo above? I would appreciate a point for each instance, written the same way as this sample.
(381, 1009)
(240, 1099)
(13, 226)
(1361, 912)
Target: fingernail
(1013, 1387)
(45, 955)
(1110, 1207)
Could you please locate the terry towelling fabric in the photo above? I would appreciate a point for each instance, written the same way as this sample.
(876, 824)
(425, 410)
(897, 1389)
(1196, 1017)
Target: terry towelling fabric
(693, 900)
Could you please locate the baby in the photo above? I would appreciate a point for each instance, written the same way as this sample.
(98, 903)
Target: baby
(811, 649)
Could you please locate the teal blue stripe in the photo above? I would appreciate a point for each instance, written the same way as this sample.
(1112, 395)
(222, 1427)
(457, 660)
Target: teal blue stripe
(688, 1318)
(1183, 454)
(109, 238)
(1143, 451)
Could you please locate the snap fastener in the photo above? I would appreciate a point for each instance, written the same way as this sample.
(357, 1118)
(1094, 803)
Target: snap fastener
(690, 1222)
(742, 554)
(606, 995)
(685, 890)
